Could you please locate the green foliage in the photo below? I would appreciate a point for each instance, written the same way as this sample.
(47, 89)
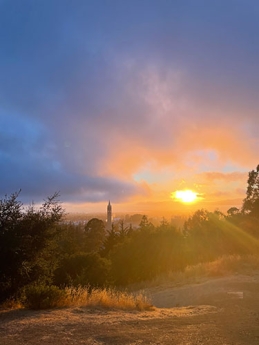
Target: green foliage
(209, 235)
(36, 248)
(249, 215)
(145, 223)
(114, 238)
(24, 234)
(232, 211)
(94, 234)
(71, 239)
(111, 240)
(41, 296)
(85, 269)
(251, 202)
(146, 253)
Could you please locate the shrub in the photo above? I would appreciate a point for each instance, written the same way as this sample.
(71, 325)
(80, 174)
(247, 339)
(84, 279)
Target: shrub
(42, 296)
(82, 269)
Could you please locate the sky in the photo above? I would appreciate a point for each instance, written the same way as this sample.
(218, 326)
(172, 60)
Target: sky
(129, 101)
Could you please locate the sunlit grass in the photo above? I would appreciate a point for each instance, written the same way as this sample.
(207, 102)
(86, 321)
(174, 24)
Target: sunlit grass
(227, 264)
(223, 266)
(105, 298)
(11, 304)
(44, 297)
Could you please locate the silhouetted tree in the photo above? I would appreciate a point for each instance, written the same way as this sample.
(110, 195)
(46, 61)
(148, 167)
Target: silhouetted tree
(94, 234)
(71, 238)
(251, 202)
(196, 222)
(232, 211)
(146, 253)
(145, 223)
(82, 269)
(234, 216)
(111, 240)
(24, 234)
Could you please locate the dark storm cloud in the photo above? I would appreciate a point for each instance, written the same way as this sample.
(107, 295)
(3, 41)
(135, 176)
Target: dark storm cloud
(81, 79)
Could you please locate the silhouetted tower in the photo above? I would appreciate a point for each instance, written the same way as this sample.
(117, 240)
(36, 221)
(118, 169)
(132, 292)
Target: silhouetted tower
(109, 216)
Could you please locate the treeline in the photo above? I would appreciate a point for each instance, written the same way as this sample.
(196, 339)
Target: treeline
(37, 248)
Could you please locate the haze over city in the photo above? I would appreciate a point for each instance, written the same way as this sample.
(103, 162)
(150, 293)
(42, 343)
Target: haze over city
(129, 101)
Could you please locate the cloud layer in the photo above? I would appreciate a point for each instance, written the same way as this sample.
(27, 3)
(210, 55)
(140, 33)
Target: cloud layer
(128, 101)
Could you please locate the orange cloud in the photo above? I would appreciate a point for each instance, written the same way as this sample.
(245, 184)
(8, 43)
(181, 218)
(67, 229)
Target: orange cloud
(227, 177)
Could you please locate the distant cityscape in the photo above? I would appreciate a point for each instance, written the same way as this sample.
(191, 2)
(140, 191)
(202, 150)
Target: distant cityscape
(132, 220)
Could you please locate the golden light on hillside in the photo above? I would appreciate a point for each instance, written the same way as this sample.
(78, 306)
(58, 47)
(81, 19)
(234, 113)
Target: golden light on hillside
(185, 196)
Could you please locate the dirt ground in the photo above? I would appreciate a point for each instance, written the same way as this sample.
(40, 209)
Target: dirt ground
(223, 311)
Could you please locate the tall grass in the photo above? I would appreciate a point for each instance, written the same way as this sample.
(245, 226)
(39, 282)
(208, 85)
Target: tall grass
(105, 298)
(225, 265)
(44, 297)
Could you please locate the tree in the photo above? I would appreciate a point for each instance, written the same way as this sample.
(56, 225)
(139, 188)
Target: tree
(110, 242)
(145, 254)
(71, 239)
(196, 222)
(95, 234)
(24, 234)
(145, 224)
(251, 202)
(205, 234)
(232, 211)
(114, 237)
(82, 269)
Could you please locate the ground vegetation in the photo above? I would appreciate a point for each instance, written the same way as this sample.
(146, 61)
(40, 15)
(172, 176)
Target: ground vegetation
(39, 253)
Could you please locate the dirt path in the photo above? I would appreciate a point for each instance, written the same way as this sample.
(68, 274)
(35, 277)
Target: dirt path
(223, 311)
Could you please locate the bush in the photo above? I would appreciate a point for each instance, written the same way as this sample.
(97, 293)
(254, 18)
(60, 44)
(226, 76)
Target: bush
(82, 269)
(42, 296)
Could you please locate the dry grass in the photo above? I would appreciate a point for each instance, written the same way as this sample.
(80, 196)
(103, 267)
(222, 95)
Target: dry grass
(113, 299)
(225, 265)
(228, 264)
(11, 304)
(81, 297)
(105, 298)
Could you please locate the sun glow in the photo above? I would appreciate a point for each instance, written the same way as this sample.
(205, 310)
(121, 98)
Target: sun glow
(186, 196)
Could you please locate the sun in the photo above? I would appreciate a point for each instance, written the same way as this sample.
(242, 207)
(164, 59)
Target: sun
(186, 196)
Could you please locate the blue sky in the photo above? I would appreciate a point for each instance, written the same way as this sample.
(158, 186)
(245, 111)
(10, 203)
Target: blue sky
(128, 101)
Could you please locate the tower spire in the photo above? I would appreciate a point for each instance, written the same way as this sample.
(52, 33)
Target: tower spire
(109, 216)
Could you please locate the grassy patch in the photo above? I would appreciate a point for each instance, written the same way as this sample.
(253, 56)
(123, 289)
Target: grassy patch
(225, 265)
(11, 304)
(105, 298)
(46, 297)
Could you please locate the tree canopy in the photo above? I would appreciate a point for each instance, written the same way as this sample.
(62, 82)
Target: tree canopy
(251, 202)
(24, 234)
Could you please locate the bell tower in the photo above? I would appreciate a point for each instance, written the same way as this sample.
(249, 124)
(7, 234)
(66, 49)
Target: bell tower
(109, 216)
